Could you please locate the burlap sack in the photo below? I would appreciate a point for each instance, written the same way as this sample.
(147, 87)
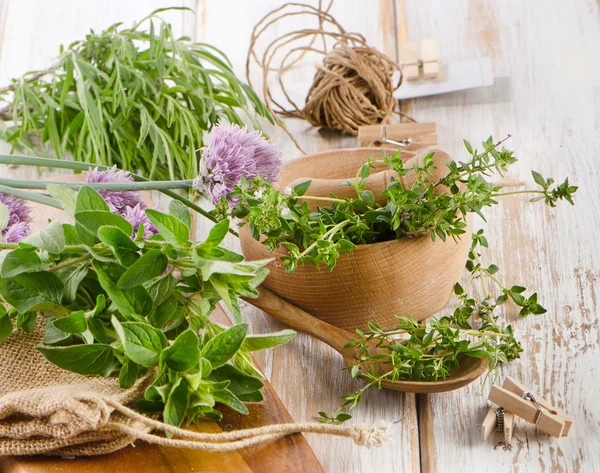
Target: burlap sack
(50, 411)
(45, 410)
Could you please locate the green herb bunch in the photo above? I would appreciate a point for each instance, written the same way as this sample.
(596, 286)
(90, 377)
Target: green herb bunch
(136, 97)
(285, 218)
(117, 304)
(412, 351)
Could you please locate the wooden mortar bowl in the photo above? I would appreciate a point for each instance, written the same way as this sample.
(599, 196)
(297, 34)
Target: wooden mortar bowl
(376, 282)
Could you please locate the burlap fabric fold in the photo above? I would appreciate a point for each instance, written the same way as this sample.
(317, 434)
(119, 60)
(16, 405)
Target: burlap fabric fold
(50, 411)
(45, 410)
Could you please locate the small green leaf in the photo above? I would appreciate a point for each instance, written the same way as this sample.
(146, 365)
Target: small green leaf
(240, 383)
(177, 403)
(27, 321)
(262, 342)
(128, 374)
(164, 313)
(65, 196)
(365, 171)
(74, 323)
(538, 178)
(217, 234)
(82, 359)
(161, 289)
(223, 346)
(92, 220)
(142, 342)
(20, 261)
(50, 238)
(468, 146)
(6, 326)
(345, 246)
(229, 399)
(173, 230)
(152, 264)
(368, 197)
(72, 276)
(43, 284)
(53, 336)
(123, 246)
(181, 212)
(130, 302)
(302, 188)
(184, 352)
(89, 199)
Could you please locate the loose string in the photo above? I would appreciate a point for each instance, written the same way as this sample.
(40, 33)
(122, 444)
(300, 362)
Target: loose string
(229, 441)
(352, 87)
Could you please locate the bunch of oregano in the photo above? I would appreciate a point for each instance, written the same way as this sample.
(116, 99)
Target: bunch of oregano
(136, 97)
(118, 304)
(412, 351)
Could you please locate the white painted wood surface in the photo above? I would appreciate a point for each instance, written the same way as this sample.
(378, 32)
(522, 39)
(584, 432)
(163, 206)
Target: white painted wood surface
(547, 95)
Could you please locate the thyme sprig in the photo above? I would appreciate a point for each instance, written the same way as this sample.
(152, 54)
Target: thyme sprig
(136, 97)
(285, 218)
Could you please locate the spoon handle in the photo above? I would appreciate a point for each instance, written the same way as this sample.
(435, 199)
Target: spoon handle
(300, 320)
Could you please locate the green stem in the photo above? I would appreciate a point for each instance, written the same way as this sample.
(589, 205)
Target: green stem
(76, 166)
(32, 196)
(69, 262)
(329, 199)
(110, 186)
(492, 277)
(329, 232)
(501, 194)
(9, 246)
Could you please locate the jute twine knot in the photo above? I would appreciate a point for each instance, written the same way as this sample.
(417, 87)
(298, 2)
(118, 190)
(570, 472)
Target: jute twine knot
(353, 86)
(370, 437)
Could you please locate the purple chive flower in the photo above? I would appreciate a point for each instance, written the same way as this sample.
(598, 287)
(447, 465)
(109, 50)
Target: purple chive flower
(18, 219)
(116, 200)
(127, 204)
(234, 152)
(136, 216)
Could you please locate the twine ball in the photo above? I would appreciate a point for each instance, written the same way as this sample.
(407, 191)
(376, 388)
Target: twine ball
(353, 87)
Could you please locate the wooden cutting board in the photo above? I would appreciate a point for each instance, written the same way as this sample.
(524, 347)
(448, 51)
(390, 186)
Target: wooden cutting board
(290, 454)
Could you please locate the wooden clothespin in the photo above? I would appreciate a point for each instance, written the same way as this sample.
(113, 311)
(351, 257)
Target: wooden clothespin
(424, 74)
(409, 136)
(424, 67)
(520, 401)
(497, 418)
(429, 56)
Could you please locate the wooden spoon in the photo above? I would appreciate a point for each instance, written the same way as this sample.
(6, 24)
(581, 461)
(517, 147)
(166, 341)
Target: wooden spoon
(468, 370)
(376, 182)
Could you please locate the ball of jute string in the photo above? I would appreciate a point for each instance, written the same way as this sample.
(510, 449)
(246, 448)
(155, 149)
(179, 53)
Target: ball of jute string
(353, 86)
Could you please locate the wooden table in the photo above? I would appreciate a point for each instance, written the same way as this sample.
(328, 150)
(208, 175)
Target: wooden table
(547, 95)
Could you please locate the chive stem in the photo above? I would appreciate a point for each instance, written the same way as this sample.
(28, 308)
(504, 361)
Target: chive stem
(32, 196)
(77, 166)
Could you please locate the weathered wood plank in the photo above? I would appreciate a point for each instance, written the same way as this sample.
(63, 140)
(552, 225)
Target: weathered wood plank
(546, 95)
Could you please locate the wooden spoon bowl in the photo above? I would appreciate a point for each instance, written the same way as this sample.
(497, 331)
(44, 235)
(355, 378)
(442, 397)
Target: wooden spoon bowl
(468, 370)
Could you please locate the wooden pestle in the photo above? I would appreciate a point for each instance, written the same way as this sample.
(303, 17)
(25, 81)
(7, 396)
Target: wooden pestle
(376, 182)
